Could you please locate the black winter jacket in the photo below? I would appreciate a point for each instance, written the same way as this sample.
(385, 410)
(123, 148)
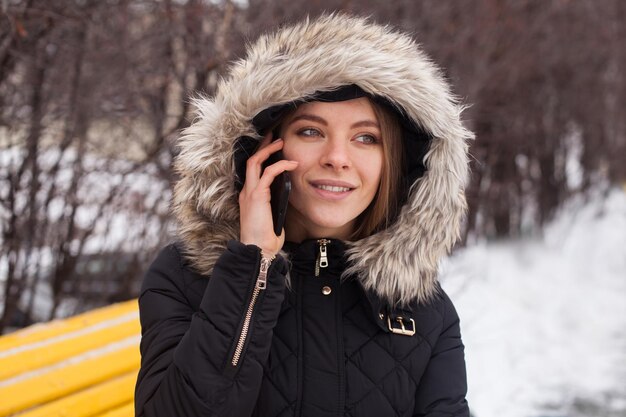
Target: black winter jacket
(314, 342)
(322, 348)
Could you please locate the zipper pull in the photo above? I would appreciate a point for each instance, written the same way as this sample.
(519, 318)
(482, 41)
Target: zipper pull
(261, 281)
(322, 256)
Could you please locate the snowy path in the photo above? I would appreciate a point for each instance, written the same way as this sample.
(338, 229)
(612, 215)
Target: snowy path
(544, 320)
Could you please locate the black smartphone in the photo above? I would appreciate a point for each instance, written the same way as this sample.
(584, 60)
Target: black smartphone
(279, 191)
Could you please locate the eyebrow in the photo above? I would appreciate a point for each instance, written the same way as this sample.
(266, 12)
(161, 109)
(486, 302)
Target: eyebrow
(314, 118)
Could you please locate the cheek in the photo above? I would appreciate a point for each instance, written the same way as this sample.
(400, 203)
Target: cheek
(300, 154)
(374, 169)
(292, 153)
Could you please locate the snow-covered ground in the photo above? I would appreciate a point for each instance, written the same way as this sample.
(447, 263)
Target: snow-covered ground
(544, 319)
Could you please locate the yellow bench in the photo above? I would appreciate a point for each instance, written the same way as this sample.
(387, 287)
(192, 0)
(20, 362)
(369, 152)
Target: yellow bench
(81, 366)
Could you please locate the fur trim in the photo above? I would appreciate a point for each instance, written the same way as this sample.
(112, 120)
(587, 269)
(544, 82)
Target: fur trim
(400, 263)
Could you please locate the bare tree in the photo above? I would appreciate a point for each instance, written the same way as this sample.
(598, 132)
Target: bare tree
(93, 93)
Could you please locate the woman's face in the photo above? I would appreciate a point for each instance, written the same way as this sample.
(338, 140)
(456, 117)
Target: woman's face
(340, 154)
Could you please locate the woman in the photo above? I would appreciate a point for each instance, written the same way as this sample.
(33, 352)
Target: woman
(340, 315)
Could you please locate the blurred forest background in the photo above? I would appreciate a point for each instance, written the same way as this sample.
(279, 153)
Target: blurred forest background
(93, 93)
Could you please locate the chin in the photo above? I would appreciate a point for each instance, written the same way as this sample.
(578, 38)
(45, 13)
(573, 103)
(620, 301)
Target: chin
(319, 221)
(329, 223)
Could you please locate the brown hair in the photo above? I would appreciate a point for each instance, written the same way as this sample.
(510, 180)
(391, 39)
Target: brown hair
(383, 208)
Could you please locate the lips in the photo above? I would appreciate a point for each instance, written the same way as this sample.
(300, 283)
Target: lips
(332, 190)
(333, 186)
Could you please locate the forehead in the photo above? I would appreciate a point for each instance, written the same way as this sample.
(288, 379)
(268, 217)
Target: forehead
(359, 108)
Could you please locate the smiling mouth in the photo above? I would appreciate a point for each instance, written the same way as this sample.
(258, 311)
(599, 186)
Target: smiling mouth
(332, 188)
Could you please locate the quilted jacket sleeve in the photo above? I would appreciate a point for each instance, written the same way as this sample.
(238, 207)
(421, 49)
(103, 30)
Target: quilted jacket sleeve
(186, 355)
(443, 386)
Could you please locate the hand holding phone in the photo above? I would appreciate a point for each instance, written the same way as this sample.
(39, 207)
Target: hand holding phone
(256, 210)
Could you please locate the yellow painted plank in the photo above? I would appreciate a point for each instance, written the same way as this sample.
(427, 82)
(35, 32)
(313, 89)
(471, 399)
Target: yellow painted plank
(43, 331)
(106, 398)
(40, 386)
(127, 410)
(39, 354)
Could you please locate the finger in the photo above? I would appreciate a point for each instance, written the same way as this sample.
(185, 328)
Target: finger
(265, 150)
(274, 170)
(254, 163)
(274, 145)
(267, 140)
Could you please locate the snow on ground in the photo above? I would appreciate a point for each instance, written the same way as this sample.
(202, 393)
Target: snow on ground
(544, 319)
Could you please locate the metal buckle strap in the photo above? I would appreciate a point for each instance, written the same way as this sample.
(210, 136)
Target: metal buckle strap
(402, 329)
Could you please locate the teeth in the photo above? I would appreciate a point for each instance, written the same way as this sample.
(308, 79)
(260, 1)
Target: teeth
(333, 188)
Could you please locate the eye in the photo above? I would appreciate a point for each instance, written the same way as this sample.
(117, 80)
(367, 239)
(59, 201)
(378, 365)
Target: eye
(367, 139)
(309, 132)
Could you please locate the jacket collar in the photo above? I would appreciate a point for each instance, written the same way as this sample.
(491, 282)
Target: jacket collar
(304, 256)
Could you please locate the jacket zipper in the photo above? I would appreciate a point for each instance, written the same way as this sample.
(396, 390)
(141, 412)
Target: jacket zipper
(322, 256)
(260, 285)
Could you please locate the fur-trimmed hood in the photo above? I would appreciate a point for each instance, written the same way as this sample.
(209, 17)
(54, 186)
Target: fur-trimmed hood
(399, 263)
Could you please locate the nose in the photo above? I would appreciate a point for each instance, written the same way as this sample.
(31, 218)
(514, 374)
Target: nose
(336, 155)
